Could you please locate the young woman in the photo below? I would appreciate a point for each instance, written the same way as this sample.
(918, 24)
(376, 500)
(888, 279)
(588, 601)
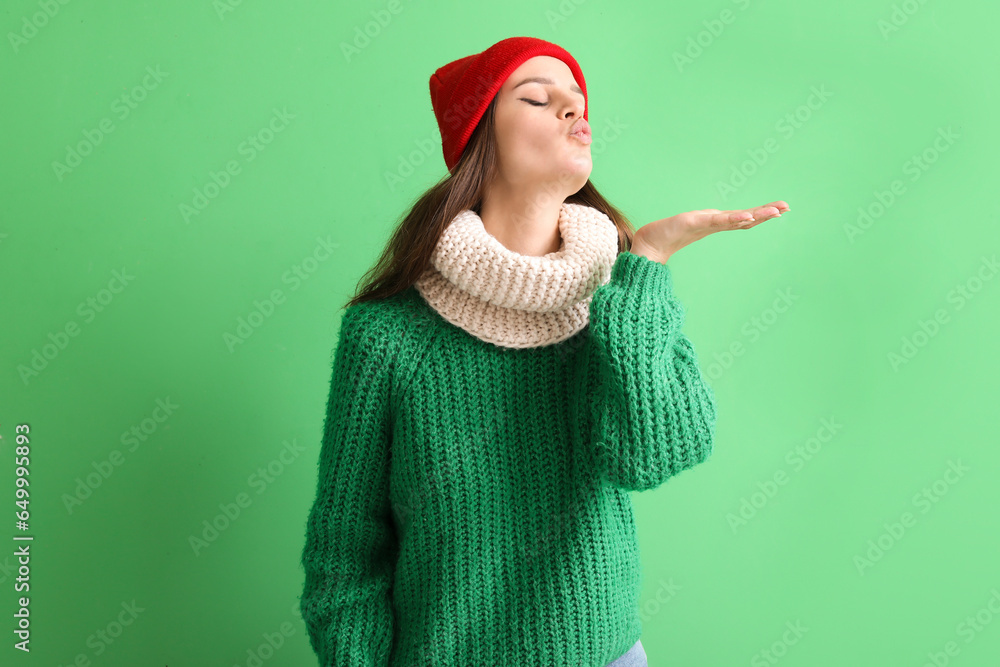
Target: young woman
(513, 367)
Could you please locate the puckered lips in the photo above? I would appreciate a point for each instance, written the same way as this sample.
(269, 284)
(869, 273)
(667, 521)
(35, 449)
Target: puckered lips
(581, 131)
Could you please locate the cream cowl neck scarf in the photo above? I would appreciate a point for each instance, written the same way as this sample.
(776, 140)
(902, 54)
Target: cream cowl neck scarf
(515, 300)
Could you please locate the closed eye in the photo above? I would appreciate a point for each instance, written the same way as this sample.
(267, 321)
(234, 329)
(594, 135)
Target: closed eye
(533, 102)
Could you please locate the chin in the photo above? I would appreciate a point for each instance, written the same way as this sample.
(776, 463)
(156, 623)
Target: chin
(571, 171)
(579, 169)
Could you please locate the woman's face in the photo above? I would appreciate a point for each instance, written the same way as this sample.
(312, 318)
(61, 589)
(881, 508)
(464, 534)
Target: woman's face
(534, 119)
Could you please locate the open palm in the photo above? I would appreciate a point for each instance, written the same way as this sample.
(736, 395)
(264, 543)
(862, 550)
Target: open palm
(662, 238)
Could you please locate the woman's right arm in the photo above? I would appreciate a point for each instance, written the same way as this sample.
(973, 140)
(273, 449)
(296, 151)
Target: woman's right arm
(349, 552)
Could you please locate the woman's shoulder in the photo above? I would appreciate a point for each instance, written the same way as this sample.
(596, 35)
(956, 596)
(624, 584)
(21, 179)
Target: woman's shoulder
(391, 334)
(387, 320)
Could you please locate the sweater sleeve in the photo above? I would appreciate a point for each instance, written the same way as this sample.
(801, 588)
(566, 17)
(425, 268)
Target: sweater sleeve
(349, 553)
(651, 412)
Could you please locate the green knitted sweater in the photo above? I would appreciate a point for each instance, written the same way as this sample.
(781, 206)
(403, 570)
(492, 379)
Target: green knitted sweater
(472, 503)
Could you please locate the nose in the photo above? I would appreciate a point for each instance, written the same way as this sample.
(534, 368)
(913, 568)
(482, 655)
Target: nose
(574, 107)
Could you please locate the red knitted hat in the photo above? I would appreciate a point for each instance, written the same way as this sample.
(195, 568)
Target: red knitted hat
(462, 89)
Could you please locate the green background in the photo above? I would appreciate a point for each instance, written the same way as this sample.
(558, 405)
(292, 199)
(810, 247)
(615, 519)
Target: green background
(730, 562)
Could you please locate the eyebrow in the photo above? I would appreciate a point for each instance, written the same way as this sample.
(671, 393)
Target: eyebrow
(541, 79)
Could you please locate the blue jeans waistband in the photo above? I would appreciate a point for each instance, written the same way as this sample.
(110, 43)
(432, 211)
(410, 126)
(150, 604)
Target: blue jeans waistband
(634, 657)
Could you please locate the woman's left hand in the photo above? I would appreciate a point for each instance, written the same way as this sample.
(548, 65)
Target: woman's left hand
(660, 239)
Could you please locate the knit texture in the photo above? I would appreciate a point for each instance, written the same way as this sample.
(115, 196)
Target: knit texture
(516, 300)
(472, 503)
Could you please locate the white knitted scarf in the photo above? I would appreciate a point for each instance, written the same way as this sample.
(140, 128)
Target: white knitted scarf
(515, 300)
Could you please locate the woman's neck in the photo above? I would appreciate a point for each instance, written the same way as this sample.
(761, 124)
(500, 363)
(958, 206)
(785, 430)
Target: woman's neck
(525, 223)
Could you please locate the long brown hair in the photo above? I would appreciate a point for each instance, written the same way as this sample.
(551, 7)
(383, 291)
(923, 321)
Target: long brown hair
(408, 252)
